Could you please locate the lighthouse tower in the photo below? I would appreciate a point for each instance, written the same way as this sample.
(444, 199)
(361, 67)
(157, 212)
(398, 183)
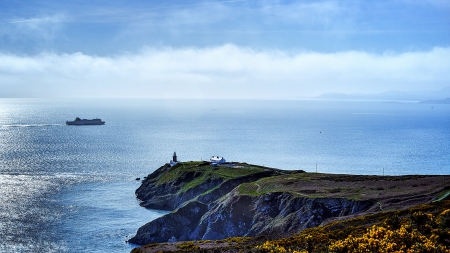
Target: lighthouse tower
(174, 158)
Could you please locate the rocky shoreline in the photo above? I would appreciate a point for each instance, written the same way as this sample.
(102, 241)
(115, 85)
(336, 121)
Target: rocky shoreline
(241, 200)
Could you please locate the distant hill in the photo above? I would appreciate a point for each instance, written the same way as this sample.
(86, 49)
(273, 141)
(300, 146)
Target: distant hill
(393, 95)
(443, 101)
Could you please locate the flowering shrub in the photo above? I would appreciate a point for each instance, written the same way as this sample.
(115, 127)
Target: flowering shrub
(420, 233)
(188, 246)
(380, 239)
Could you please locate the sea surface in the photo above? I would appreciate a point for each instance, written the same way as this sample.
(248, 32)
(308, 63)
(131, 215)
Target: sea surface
(71, 188)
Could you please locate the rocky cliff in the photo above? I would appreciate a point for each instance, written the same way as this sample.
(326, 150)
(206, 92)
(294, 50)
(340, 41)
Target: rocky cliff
(168, 188)
(247, 200)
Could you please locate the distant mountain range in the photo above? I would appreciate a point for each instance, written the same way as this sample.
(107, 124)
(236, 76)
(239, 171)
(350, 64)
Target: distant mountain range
(442, 101)
(432, 96)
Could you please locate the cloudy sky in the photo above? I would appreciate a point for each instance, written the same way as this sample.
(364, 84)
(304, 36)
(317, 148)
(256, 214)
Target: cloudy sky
(221, 49)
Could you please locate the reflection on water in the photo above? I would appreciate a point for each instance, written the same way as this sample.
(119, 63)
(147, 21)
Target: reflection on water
(68, 213)
(28, 214)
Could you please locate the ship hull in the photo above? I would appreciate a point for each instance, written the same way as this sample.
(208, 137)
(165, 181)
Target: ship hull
(85, 122)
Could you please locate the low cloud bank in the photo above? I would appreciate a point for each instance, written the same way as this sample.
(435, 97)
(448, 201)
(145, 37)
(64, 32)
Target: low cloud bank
(227, 71)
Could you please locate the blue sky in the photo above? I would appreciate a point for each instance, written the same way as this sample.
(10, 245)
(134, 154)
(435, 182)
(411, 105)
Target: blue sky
(222, 49)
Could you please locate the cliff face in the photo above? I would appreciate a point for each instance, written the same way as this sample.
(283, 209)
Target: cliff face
(274, 214)
(246, 200)
(170, 187)
(208, 205)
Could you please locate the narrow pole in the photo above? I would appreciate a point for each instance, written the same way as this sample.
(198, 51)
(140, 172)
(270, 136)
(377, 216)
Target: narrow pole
(316, 167)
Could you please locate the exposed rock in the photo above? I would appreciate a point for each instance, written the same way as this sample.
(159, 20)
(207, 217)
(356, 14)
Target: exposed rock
(170, 195)
(191, 204)
(177, 225)
(274, 214)
(213, 203)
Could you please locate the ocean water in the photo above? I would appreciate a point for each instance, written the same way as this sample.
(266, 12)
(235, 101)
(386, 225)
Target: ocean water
(71, 188)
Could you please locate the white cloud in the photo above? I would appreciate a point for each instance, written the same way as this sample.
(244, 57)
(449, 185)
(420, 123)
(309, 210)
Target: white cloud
(316, 13)
(42, 27)
(226, 71)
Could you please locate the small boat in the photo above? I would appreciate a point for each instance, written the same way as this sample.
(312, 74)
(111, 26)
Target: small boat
(85, 122)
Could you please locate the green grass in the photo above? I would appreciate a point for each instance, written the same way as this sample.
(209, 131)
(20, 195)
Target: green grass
(230, 172)
(250, 189)
(260, 187)
(209, 191)
(206, 172)
(442, 195)
(197, 181)
(170, 174)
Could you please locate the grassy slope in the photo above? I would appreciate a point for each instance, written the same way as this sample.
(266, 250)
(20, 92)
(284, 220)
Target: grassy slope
(391, 191)
(204, 171)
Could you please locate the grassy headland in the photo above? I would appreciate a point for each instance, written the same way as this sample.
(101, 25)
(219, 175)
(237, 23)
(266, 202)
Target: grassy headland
(203, 171)
(294, 211)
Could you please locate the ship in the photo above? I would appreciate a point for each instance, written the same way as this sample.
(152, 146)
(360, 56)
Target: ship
(85, 122)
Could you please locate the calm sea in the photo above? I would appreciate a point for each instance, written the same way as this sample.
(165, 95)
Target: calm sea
(71, 189)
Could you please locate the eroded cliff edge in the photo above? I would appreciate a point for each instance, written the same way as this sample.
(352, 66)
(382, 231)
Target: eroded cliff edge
(238, 199)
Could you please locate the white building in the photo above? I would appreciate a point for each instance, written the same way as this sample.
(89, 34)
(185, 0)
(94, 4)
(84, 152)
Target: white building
(215, 160)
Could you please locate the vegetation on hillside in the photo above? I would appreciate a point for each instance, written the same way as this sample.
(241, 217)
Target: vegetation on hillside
(197, 173)
(395, 221)
(423, 229)
(354, 187)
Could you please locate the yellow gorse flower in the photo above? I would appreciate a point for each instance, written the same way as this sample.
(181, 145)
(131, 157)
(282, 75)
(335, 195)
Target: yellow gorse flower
(422, 232)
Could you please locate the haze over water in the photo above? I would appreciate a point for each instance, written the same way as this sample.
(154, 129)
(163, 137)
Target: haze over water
(71, 189)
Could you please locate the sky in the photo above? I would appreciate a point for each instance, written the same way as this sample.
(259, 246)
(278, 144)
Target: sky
(244, 49)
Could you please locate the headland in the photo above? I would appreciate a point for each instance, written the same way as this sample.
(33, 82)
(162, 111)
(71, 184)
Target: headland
(239, 200)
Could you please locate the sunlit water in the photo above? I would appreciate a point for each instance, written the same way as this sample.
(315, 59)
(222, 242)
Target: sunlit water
(71, 189)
